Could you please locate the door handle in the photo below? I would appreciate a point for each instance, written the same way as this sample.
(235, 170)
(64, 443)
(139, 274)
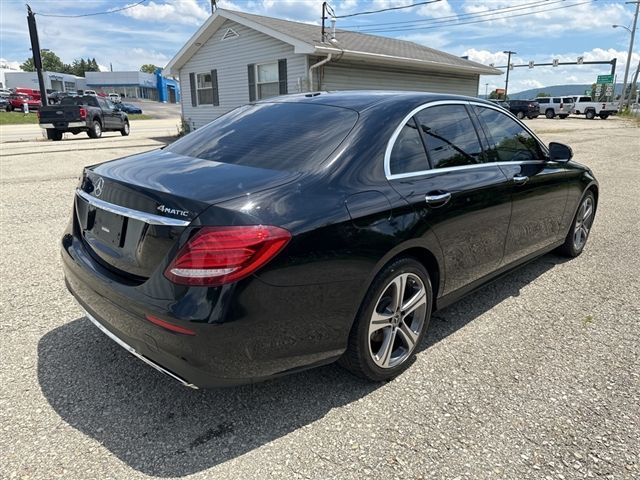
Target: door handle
(437, 199)
(520, 179)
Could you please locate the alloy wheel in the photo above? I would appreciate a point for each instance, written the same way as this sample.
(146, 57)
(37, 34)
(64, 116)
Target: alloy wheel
(584, 219)
(397, 320)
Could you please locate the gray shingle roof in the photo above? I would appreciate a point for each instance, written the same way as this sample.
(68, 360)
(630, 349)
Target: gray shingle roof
(360, 42)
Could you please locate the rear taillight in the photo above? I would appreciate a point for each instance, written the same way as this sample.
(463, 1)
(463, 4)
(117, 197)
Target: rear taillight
(219, 255)
(83, 112)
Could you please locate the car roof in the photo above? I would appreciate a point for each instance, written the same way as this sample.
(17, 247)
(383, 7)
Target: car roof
(361, 100)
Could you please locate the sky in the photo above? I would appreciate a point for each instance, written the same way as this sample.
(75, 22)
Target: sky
(154, 31)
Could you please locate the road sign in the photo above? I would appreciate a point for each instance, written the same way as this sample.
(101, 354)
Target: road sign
(531, 64)
(608, 91)
(598, 89)
(511, 66)
(605, 79)
(555, 62)
(580, 60)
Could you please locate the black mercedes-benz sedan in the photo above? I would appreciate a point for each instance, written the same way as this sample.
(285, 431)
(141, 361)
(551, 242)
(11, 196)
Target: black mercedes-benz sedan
(310, 228)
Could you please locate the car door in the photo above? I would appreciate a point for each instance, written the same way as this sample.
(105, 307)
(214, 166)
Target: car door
(108, 114)
(539, 187)
(438, 165)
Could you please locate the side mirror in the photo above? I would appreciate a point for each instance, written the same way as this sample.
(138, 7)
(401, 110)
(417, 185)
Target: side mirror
(559, 152)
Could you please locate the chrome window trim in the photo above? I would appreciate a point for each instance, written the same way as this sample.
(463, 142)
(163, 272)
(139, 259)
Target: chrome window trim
(396, 133)
(149, 218)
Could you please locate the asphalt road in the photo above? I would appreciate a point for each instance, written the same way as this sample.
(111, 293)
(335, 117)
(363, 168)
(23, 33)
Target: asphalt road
(537, 376)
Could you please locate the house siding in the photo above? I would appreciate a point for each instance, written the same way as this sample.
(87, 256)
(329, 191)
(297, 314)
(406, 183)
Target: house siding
(230, 58)
(347, 76)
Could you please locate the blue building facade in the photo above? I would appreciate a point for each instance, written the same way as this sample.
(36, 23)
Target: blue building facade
(168, 88)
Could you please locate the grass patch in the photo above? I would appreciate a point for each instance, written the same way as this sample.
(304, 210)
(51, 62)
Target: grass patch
(139, 116)
(17, 118)
(632, 118)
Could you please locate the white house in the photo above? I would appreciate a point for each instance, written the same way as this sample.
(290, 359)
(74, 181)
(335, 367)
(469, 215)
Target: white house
(235, 58)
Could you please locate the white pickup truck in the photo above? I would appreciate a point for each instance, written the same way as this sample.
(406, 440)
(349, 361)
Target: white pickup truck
(583, 105)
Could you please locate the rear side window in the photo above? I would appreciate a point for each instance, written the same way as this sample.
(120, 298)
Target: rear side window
(542, 100)
(509, 141)
(556, 100)
(450, 136)
(408, 153)
(276, 136)
(584, 99)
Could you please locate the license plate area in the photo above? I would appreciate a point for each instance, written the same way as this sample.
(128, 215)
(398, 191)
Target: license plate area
(107, 227)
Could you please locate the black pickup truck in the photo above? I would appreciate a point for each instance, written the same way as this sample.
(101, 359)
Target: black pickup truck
(87, 113)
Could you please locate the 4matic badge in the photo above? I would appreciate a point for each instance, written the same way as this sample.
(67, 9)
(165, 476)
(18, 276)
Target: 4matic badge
(173, 211)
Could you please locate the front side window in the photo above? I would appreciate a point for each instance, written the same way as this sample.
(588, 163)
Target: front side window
(204, 88)
(509, 141)
(407, 154)
(450, 136)
(267, 80)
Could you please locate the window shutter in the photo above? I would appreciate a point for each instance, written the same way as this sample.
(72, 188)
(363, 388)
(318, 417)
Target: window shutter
(214, 86)
(192, 86)
(251, 70)
(282, 75)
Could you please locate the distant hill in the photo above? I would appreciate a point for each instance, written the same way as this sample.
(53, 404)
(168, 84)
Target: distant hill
(557, 91)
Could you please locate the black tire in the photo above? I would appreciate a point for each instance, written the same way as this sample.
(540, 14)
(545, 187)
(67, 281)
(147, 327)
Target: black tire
(604, 116)
(531, 117)
(549, 114)
(53, 134)
(571, 248)
(125, 129)
(95, 131)
(359, 356)
(563, 116)
(520, 115)
(590, 114)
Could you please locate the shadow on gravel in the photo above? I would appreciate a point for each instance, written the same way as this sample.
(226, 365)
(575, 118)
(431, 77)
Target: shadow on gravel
(162, 429)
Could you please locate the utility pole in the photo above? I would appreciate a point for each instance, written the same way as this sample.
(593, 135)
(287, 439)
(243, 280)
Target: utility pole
(626, 67)
(486, 91)
(37, 57)
(506, 83)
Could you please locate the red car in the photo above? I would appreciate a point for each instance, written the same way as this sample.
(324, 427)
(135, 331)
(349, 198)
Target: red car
(16, 100)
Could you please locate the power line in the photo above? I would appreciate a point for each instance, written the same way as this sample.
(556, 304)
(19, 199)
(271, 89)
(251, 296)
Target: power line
(91, 14)
(453, 24)
(458, 16)
(388, 9)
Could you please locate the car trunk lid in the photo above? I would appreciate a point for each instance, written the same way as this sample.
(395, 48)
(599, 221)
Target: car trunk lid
(132, 211)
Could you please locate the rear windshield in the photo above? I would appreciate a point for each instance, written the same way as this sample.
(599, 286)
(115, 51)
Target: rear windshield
(276, 136)
(87, 100)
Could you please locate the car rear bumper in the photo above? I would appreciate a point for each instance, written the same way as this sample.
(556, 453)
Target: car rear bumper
(253, 331)
(63, 125)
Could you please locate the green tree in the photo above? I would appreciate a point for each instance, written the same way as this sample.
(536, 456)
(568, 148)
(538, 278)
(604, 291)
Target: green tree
(149, 68)
(543, 95)
(50, 62)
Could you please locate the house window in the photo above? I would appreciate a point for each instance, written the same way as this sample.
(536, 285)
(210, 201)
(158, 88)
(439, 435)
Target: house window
(267, 84)
(204, 87)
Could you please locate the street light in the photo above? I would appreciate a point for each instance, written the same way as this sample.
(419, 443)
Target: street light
(632, 31)
(622, 26)
(486, 91)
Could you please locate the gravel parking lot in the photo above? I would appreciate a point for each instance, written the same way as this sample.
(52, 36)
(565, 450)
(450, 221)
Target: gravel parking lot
(536, 376)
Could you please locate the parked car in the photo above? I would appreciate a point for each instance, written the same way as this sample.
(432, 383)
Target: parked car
(590, 109)
(115, 97)
(524, 108)
(88, 113)
(5, 92)
(4, 104)
(90, 92)
(308, 228)
(552, 106)
(128, 107)
(17, 101)
(501, 103)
